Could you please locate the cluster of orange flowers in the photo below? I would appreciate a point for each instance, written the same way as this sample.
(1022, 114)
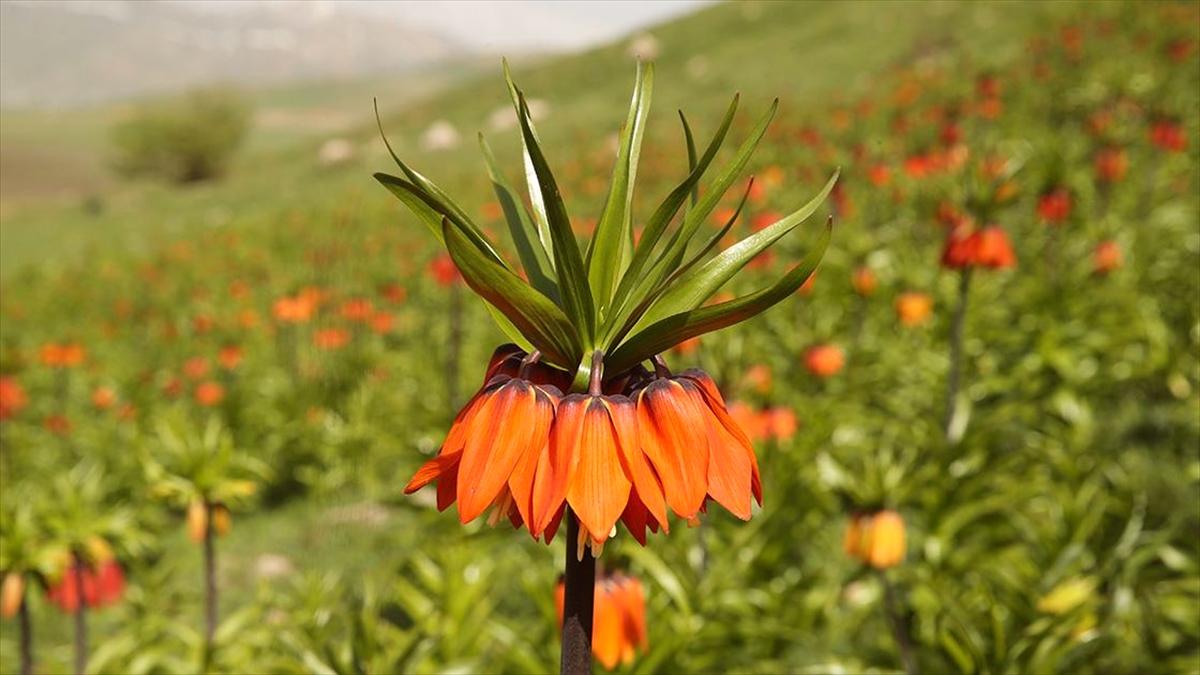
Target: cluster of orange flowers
(102, 585)
(65, 355)
(629, 449)
(970, 247)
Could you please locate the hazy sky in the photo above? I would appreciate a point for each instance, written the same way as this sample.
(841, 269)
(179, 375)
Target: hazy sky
(489, 25)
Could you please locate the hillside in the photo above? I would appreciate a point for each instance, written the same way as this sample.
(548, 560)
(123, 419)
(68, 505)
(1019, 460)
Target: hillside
(817, 54)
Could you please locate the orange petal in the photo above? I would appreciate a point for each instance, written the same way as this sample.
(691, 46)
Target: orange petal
(598, 489)
(551, 528)
(557, 463)
(606, 629)
(447, 488)
(635, 517)
(633, 461)
(511, 422)
(673, 435)
(520, 483)
(716, 405)
(434, 468)
(729, 471)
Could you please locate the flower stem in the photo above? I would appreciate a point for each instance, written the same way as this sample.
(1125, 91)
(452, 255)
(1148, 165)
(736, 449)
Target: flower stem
(210, 584)
(891, 608)
(80, 619)
(579, 597)
(26, 637)
(956, 347)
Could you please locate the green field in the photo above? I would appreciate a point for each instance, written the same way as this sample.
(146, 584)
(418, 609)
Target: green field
(1057, 530)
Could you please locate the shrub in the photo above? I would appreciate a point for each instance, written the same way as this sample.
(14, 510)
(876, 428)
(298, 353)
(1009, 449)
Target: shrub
(185, 140)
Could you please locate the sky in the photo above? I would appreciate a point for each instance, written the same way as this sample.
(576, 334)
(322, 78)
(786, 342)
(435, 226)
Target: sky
(492, 25)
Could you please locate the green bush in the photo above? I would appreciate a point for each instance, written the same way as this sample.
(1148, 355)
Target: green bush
(185, 140)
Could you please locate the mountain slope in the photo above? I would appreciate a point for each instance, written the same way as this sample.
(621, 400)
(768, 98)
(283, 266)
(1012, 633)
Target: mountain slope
(56, 53)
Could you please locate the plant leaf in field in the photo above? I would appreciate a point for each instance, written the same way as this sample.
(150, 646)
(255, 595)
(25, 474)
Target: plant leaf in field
(672, 330)
(658, 223)
(691, 154)
(432, 194)
(695, 286)
(533, 314)
(525, 237)
(424, 207)
(576, 297)
(610, 243)
(531, 181)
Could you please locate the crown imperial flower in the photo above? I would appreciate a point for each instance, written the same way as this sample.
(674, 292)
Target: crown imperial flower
(569, 418)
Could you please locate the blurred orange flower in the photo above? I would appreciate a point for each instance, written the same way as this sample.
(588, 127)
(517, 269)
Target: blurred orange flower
(1107, 257)
(209, 393)
(357, 309)
(443, 270)
(58, 424)
(331, 338)
(229, 356)
(103, 398)
(294, 309)
(876, 538)
(968, 247)
(394, 293)
(748, 420)
(914, 308)
(864, 281)
(618, 619)
(1111, 165)
(824, 360)
(780, 422)
(195, 367)
(66, 355)
(102, 586)
(1054, 207)
(879, 175)
(381, 323)
(758, 378)
(12, 397)
(1168, 136)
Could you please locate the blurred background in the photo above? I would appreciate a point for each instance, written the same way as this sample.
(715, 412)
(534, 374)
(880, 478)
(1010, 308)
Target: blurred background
(224, 348)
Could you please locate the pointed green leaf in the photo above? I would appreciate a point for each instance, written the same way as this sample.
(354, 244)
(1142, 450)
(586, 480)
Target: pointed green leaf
(649, 297)
(611, 239)
(533, 314)
(668, 332)
(659, 221)
(691, 289)
(529, 248)
(531, 181)
(678, 245)
(576, 298)
(691, 154)
(425, 208)
(430, 192)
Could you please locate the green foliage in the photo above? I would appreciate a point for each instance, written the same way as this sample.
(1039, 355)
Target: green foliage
(1059, 534)
(186, 140)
